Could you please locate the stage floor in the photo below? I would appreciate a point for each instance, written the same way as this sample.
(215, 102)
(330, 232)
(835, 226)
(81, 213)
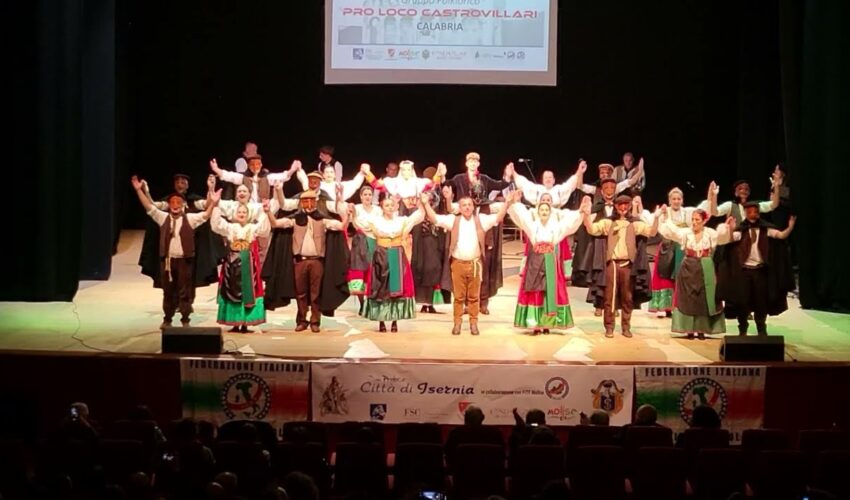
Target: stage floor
(123, 315)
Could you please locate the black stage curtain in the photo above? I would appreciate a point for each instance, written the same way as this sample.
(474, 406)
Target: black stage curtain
(61, 110)
(815, 43)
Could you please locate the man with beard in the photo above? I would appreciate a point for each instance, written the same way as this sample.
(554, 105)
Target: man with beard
(208, 248)
(176, 250)
(756, 277)
(309, 250)
(477, 187)
(626, 273)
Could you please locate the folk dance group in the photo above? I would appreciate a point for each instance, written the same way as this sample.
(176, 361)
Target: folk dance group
(431, 239)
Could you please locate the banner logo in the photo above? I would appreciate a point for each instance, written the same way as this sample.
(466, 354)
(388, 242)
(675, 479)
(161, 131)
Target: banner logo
(608, 397)
(702, 391)
(557, 388)
(246, 396)
(334, 399)
(378, 411)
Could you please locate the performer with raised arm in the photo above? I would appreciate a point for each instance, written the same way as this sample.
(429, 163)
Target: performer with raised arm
(334, 290)
(742, 196)
(606, 171)
(626, 276)
(589, 260)
(176, 250)
(406, 185)
(428, 254)
(468, 251)
(240, 166)
(258, 179)
(259, 182)
(240, 290)
(208, 247)
(308, 246)
(696, 307)
(559, 194)
(478, 187)
(389, 281)
(362, 244)
(669, 255)
(755, 277)
(542, 302)
(329, 181)
(628, 170)
(326, 159)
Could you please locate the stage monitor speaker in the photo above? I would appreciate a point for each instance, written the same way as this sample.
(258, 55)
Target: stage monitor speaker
(191, 340)
(753, 348)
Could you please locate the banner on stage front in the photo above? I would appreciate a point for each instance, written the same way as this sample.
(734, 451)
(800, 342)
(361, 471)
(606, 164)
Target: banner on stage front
(735, 392)
(263, 389)
(397, 393)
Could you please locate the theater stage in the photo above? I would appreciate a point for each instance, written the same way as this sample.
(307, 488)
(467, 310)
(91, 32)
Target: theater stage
(123, 314)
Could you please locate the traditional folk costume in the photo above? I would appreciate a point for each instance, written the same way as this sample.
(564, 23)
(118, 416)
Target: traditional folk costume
(362, 248)
(755, 277)
(467, 248)
(334, 280)
(696, 306)
(478, 188)
(389, 280)
(177, 261)
(208, 247)
(543, 301)
(624, 273)
(260, 185)
(425, 245)
(668, 258)
(349, 188)
(240, 291)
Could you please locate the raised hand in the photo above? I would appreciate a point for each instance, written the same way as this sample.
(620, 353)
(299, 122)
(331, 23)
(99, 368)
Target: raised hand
(365, 168)
(582, 167)
(424, 198)
(266, 206)
(278, 184)
(509, 169)
(137, 184)
(792, 221)
(776, 177)
(442, 170)
(586, 205)
(659, 210)
(214, 166)
(339, 191)
(637, 204)
(447, 193)
(713, 189)
(295, 166)
(211, 182)
(215, 197)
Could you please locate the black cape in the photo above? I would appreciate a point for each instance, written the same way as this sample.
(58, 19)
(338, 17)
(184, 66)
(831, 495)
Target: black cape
(209, 250)
(780, 278)
(428, 259)
(279, 268)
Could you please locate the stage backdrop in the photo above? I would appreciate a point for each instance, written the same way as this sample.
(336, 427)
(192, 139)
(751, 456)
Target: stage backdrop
(396, 393)
(736, 392)
(262, 389)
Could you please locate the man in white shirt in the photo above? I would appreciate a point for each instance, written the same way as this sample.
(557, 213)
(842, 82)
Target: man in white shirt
(755, 284)
(308, 250)
(250, 151)
(560, 193)
(606, 171)
(176, 250)
(466, 248)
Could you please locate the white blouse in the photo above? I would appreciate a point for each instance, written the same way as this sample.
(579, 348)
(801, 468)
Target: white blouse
(398, 225)
(236, 232)
(684, 236)
(561, 224)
